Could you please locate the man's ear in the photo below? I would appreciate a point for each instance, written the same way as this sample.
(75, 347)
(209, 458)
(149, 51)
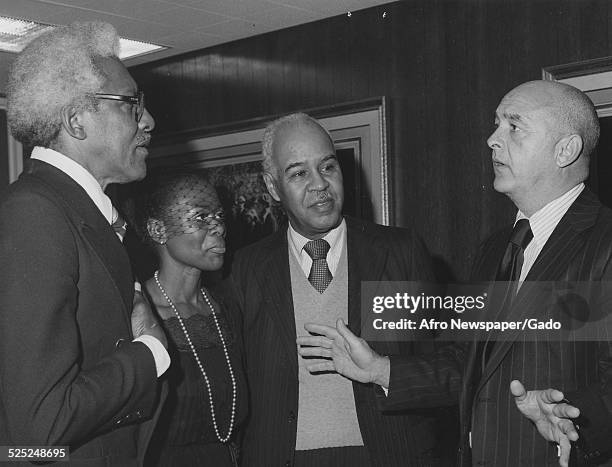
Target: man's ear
(271, 185)
(568, 150)
(157, 231)
(72, 122)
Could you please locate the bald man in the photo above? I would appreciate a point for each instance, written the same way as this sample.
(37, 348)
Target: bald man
(545, 133)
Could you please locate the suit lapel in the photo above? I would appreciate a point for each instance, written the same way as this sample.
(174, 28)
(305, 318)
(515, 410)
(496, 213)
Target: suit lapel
(566, 241)
(276, 291)
(93, 227)
(367, 256)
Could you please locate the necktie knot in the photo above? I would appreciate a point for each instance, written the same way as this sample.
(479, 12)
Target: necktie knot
(317, 249)
(521, 234)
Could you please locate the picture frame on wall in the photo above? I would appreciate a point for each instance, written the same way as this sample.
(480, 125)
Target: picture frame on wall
(230, 156)
(593, 77)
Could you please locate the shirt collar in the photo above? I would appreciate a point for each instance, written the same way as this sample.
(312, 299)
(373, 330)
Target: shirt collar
(333, 237)
(544, 221)
(80, 175)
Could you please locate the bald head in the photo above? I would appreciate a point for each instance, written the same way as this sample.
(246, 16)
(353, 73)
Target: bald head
(570, 111)
(545, 133)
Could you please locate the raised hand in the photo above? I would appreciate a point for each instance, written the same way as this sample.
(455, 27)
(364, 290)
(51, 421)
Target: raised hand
(144, 321)
(345, 354)
(551, 416)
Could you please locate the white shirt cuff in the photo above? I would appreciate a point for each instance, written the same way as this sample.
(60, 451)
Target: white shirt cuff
(386, 390)
(160, 354)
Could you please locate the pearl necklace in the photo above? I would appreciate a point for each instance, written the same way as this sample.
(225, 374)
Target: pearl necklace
(226, 438)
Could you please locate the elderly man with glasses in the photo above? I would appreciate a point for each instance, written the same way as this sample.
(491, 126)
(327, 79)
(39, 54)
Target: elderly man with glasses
(80, 351)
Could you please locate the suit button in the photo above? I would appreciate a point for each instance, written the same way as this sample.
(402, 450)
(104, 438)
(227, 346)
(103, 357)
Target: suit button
(138, 414)
(287, 464)
(119, 342)
(291, 417)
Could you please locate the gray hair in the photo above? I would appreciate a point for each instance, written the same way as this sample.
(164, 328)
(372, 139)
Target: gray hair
(55, 70)
(272, 129)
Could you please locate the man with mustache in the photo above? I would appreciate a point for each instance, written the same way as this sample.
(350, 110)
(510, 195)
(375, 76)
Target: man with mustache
(541, 148)
(313, 270)
(80, 352)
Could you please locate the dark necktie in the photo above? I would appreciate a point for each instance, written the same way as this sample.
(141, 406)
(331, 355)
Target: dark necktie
(119, 225)
(512, 262)
(320, 276)
(509, 272)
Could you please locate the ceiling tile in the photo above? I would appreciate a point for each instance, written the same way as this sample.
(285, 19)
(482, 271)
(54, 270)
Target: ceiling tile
(284, 16)
(234, 8)
(138, 9)
(142, 30)
(65, 15)
(187, 18)
(337, 7)
(232, 29)
(30, 9)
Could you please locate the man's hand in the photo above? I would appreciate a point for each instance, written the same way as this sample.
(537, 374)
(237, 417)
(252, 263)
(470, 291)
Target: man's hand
(144, 322)
(551, 416)
(347, 354)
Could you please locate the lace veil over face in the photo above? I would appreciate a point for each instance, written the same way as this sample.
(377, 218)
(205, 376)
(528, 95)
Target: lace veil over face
(183, 204)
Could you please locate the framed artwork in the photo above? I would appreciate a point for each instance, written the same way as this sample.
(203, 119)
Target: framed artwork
(230, 156)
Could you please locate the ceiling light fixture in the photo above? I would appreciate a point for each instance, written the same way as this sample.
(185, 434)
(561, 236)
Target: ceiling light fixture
(15, 34)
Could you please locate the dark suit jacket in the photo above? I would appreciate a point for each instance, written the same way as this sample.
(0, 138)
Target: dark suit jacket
(579, 249)
(262, 285)
(69, 373)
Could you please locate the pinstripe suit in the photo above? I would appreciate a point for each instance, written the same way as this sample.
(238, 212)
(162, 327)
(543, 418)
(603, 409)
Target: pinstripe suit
(262, 282)
(579, 249)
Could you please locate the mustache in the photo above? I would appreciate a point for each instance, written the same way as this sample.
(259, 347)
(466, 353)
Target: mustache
(322, 196)
(143, 139)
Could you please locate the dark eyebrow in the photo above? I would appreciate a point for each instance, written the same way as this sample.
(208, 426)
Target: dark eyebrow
(293, 165)
(300, 164)
(328, 158)
(514, 117)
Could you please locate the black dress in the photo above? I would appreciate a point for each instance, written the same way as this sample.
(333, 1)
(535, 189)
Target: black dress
(184, 435)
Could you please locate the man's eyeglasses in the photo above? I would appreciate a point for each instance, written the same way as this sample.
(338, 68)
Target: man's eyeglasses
(137, 100)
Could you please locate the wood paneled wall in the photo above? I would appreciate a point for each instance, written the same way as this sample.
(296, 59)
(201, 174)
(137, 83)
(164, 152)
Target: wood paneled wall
(4, 158)
(444, 66)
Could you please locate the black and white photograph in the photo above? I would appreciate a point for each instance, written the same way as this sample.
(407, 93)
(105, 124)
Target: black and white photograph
(306, 233)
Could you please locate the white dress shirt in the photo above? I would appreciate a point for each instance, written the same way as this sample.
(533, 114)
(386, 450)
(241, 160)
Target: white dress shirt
(93, 189)
(336, 239)
(542, 224)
